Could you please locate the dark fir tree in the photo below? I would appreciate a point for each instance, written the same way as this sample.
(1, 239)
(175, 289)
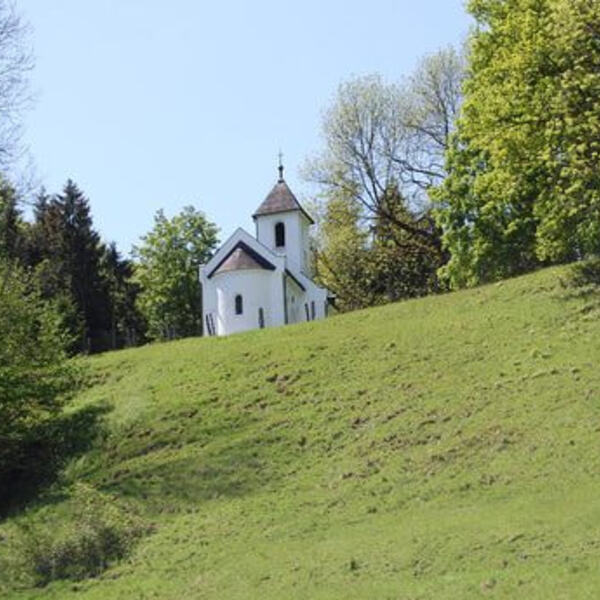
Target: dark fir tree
(404, 263)
(367, 261)
(89, 281)
(12, 227)
(82, 252)
(127, 327)
(67, 253)
(36, 242)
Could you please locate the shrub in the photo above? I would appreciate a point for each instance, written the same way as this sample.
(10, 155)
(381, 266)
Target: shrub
(586, 273)
(99, 533)
(35, 375)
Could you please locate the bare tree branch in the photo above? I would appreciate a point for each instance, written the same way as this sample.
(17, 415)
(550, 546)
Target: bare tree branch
(16, 62)
(380, 137)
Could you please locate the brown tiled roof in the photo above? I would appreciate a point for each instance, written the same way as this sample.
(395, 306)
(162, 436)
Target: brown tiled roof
(280, 199)
(242, 257)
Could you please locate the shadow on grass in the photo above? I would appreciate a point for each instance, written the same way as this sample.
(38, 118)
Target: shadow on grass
(39, 461)
(169, 478)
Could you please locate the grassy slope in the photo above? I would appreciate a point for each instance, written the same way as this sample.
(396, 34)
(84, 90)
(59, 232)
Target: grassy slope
(439, 448)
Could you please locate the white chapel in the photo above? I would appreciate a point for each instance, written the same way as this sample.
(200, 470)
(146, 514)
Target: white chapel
(263, 281)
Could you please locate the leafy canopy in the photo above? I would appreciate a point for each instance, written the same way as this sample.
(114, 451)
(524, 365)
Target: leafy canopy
(523, 186)
(168, 261)
(34, 372)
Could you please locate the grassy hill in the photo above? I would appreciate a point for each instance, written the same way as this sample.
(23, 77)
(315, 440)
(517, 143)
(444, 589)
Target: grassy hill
(440, 448)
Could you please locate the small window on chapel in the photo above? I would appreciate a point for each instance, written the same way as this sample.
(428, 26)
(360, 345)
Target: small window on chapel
(239, 305)
(279, 235)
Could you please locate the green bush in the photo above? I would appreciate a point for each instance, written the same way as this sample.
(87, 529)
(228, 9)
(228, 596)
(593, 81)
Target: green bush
(99, 533)
(582, 281)
(35, 375)
(586, 273)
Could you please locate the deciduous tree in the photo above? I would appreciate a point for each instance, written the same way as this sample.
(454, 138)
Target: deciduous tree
(342, 253)
(384, 150)
(167, 270)
(34, 372)
(16, 61)
(523, 188)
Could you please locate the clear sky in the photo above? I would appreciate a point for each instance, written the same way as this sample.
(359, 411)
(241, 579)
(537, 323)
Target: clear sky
(152, 104)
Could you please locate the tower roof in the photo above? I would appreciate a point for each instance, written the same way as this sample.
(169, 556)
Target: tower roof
(280, 199)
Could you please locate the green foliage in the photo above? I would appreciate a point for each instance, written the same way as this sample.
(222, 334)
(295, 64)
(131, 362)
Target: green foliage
(96, 532)
(169, 258)
(127, 327)
(443, 447)
(342, 260)
(404, 264)
(569, 209)
(11, 224)
(365, 264)
(73, 251)
(87, 279)
(586, 273)
(34, 373)
(523, 188)
(583, 282)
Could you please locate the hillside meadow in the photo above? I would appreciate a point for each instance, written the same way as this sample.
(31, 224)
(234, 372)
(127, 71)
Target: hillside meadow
(447, 447)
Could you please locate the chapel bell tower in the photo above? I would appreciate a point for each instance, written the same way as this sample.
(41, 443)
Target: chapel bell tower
(282, 225)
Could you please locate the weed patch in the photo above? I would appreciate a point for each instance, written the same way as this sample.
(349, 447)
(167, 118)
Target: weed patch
(96, 533)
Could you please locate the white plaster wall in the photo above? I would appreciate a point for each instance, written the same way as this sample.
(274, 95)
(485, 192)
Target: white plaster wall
(209, 299)
(307, 263)
(261, 287)
(258, 288)
(319, 297)
(295, 302)
(296, 236)
(297, 298)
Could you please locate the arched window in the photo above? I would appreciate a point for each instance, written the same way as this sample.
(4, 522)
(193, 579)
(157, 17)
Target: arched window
(239, 304)
(279, 235)
(313, 310)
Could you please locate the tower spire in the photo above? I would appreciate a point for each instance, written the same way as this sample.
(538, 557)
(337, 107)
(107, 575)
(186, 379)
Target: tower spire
(280, 168)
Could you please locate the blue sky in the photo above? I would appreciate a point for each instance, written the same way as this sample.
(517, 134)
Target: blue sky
(150, 104)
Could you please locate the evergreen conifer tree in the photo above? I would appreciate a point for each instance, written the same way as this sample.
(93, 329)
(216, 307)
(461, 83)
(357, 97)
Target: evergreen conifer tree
(12, 236)
(67, 250)
(126, 324)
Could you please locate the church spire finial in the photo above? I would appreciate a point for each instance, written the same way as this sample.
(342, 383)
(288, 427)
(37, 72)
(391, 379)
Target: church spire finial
(280, 168)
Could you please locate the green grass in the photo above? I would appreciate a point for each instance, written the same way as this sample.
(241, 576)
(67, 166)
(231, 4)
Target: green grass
(439, 448)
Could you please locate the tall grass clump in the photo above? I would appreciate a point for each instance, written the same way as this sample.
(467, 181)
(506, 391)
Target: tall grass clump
(97, 533)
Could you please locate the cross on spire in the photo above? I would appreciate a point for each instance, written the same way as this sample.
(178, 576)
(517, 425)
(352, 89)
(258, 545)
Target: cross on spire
(280, 166)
